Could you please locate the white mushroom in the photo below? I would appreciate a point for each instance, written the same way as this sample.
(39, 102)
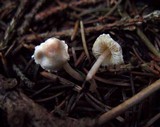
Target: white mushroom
(107, 52)
(52, 55)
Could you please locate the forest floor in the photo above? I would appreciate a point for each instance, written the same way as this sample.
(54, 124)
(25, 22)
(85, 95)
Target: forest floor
(122, 95)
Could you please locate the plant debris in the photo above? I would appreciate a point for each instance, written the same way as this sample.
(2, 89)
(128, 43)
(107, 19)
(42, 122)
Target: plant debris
(123, 95)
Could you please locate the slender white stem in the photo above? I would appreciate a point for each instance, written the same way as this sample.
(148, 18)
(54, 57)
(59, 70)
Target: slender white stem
(97, 64)
(72, 72)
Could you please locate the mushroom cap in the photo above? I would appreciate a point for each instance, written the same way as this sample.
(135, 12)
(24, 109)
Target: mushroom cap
(52, 54)
(105, 42)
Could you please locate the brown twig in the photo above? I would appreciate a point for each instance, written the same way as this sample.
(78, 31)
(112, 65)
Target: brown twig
(62, 80)
(75, 31)
(19, 73)
(69, 32)
(53, 10)
(12, 26)
(147, 42)
(84, 41)
(30, 16)
(152, 120)
(146, 92)
(49, 98)
(100, 106)
(4, 64)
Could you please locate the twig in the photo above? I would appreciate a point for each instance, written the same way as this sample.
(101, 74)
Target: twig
(30, 16)
(80, 59)
(77, 98)
(5, 64)
(147, 42)
(153, 15)
(91, 102)
(132, 84)
(11, 28)
(84, 41)
(62, 80)
(112, 9)
(75, 31)
(40, 91)
(49, 98)
(19, 73)
(146, 92)
(7, 8)
(124, 84)
(99, 105)
(74, 54)
(142, 74)
(69, 32)
(53, 9)
(152, 120)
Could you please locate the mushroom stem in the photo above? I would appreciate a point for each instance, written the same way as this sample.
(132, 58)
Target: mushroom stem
(97, 64)
(72, 72)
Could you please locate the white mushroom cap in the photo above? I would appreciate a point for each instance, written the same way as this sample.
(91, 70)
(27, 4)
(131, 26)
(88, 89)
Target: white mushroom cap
(105, 42)
(51, 54)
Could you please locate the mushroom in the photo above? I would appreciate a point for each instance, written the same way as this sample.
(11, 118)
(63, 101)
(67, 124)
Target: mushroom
(52, 55)
(107, 52)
